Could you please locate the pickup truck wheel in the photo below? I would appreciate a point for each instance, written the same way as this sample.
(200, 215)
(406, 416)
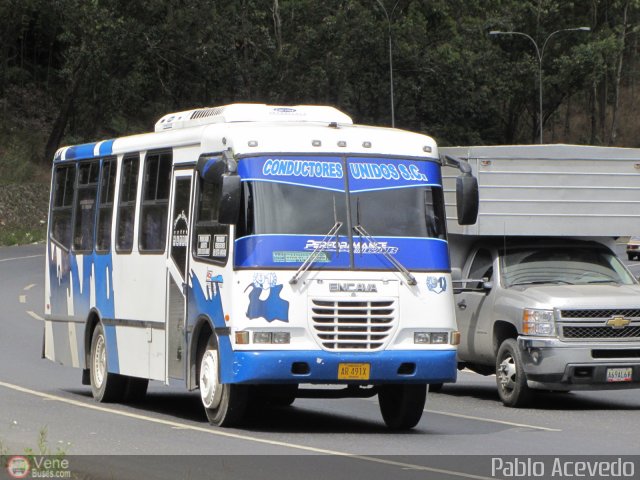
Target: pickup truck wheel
(402, 405)
(510, 376)
(435, 387)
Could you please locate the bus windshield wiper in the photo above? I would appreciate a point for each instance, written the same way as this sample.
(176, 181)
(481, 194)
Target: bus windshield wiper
(321, 247)
(360, 230)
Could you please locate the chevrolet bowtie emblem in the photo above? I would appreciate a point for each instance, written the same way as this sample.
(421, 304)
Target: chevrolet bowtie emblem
(618, 322)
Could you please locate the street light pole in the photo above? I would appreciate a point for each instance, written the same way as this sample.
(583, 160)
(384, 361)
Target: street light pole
(393, 119)
(540, 54)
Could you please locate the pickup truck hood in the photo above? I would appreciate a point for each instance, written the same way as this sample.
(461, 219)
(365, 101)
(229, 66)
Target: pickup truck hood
(592, 296)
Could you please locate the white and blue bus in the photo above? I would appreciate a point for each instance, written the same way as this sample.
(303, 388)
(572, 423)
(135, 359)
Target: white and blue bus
(248, 249)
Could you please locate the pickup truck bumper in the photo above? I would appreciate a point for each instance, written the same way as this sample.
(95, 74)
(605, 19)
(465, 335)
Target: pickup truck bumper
(552, 364)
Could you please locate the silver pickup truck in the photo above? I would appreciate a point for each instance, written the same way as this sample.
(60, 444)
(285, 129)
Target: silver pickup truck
(552, 314)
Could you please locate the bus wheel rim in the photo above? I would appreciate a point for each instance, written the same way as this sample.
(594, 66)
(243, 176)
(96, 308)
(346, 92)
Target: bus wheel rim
(210, 388)
(100, 362)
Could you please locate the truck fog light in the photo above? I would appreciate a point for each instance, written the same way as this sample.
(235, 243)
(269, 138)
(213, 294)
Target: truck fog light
(242, 338)
(536, 356)
(421, 337)
(262, 337)
(438, 338)
(281, 337)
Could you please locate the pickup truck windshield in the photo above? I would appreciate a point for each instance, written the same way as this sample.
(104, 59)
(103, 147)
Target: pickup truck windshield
(563, 265)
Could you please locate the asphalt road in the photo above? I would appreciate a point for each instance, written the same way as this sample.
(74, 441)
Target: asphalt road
(347, 436)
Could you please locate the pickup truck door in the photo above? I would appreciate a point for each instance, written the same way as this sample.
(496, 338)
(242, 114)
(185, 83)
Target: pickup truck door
(474, 309)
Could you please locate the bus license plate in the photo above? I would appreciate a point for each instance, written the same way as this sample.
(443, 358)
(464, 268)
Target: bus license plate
(619, 374)
(353, 371)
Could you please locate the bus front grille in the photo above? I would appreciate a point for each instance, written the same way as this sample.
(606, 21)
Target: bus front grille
(353, 325)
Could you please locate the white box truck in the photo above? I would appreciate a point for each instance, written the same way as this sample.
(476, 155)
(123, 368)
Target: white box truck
(542, 300)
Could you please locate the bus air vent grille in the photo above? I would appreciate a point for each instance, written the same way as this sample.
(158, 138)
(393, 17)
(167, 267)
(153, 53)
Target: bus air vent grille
(353, 325)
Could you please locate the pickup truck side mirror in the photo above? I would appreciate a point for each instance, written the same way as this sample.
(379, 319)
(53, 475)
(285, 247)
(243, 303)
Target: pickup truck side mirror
(459, 283)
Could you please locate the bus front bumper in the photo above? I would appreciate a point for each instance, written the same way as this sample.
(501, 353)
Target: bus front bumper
(400, 366)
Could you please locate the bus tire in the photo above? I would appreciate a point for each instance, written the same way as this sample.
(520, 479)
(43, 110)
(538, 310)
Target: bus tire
(402, 405)
(510, 377)
(435, 387)
(135, 389)
(224, 403)
(279, 395)
(105, 386)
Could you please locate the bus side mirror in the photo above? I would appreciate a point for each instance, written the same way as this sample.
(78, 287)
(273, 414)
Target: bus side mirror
(467, 199)
(220, 170)
(229, 206)
(211, 169)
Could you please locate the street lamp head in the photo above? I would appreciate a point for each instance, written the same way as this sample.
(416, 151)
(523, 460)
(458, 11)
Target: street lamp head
(585, 29)
(495, 32)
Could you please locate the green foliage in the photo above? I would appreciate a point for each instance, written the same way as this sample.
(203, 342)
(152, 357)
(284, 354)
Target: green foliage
(83, 70)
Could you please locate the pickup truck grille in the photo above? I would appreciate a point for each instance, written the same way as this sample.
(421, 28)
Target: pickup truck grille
(594, 313)
(597, 332)
(591, 324)
(353, 325)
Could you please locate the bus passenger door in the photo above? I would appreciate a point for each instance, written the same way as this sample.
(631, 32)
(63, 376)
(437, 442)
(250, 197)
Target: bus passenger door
(177, 264)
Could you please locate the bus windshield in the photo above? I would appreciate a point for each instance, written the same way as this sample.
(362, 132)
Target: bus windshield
(278, 208)
(394, 206)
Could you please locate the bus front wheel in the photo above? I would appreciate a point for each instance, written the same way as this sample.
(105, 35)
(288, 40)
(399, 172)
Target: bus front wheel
(224, 403)
(402, 405)
(105, 386)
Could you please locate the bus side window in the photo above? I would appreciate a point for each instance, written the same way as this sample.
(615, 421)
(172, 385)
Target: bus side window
(127, 203)
(62, 208)
(211, 239)
(105, 205)
(85, 207)
(155, 202)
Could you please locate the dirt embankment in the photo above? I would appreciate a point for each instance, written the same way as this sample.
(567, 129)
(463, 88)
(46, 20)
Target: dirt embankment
(23, 212)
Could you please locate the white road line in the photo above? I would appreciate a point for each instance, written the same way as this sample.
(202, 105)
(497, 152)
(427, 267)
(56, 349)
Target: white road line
(22, 299)
(491, 420)
(20, 258)
(222, 433)
(29, 287)
(35, 316)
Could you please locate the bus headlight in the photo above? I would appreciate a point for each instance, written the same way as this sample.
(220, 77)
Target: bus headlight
(431, 338)
(279, 338)
(538, 322)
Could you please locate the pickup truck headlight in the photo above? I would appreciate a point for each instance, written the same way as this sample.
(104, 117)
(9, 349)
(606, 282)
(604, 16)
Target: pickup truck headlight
(538, 322)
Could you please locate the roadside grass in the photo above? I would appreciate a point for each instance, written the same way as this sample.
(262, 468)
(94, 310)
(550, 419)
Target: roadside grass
(24, 190)
(21, 236)
(42, 449)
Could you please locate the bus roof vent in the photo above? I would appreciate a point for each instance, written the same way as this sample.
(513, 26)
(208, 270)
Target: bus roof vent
(252, 112)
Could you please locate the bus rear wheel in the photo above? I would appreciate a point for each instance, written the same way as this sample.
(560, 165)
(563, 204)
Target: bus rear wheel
(105, 386)
(224, 403)
(402, 405)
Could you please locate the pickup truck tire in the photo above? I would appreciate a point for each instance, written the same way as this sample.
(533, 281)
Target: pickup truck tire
(510, 376)
(402, 405)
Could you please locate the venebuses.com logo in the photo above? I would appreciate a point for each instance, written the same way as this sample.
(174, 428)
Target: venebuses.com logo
(18, 467)
(43, 466)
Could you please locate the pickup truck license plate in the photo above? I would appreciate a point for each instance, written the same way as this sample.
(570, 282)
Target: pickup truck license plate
(353, 371)
(624, 374)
